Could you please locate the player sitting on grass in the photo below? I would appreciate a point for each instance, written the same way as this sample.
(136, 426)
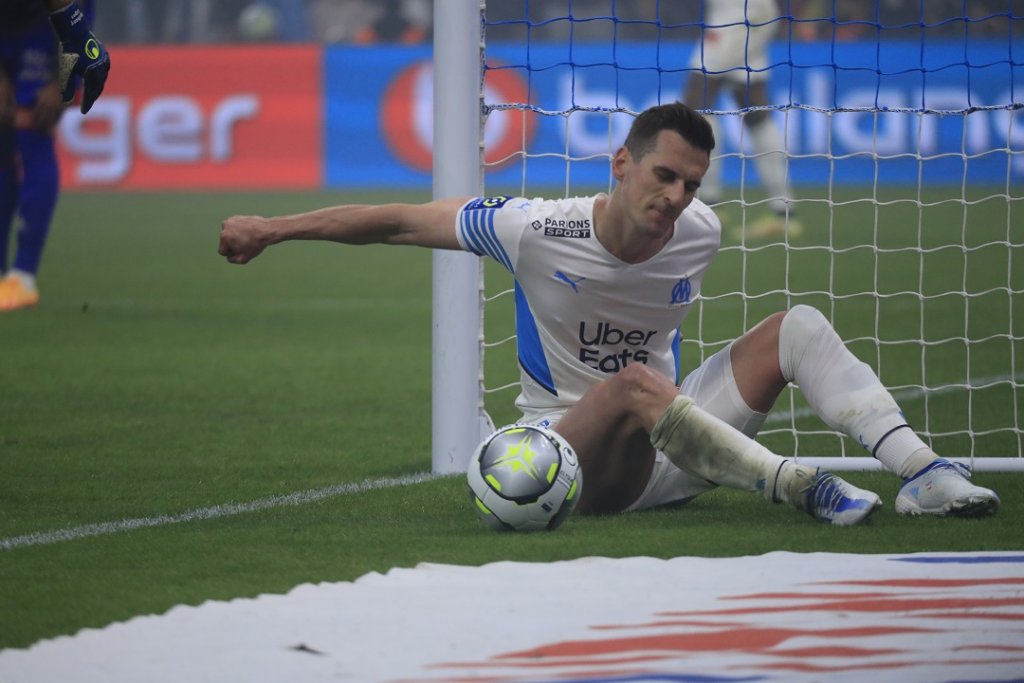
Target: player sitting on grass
(602, 285)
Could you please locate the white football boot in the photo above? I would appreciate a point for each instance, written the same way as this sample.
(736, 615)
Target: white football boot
(944, 489)
(835, 501)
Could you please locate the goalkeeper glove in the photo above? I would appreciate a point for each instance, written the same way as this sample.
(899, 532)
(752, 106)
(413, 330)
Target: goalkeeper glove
(81, 54)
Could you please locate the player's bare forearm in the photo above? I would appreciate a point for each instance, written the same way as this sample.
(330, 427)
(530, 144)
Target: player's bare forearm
(432, 225)
(360, 224)
(56, 5)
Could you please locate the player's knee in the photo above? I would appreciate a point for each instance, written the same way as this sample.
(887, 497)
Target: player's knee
(804, 321)
(798, 327)
(700, 92)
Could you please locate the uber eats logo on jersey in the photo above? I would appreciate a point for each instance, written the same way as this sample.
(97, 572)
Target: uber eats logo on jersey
(560, 227)
(597, 337)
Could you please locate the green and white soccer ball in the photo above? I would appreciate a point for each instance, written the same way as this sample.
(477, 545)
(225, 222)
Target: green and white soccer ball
(524, 478)
(258, 22)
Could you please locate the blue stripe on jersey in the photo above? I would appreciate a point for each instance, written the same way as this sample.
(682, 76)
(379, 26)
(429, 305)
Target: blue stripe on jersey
(675, 353)
(477, 226)
(531, 353)
(468, 236)
(495, 249)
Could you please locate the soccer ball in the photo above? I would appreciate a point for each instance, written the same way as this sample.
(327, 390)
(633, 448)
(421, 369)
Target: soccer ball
(258, 22)
(524, 478)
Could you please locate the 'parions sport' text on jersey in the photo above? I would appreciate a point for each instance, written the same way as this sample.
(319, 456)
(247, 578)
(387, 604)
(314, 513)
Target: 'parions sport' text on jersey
(581, 313)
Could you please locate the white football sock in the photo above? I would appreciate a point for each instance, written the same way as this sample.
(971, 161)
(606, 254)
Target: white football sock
(770, 161)
(711, 185)
(28, 280)
(700, 443)
(845, 392)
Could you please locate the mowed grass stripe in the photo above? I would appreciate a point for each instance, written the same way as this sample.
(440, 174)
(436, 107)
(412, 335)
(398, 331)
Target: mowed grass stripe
(314, 495)
(215, 512)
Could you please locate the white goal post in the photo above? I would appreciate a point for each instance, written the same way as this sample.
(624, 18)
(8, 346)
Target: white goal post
(963, 378)
(458, 418)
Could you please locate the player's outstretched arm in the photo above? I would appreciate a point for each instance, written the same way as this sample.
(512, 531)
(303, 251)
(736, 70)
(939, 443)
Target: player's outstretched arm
(243, 238)
(81, 53)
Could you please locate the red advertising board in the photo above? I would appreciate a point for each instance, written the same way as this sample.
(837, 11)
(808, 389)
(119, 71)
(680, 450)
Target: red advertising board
(200, 118)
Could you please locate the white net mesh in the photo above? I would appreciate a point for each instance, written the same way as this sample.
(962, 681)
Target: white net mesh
(869, 164)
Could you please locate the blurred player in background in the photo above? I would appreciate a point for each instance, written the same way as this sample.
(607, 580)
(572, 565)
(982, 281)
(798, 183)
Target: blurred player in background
(732, 59)
(45, 49)
(603, 284)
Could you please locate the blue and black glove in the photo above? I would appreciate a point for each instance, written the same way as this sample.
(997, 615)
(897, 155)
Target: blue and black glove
(81, 54)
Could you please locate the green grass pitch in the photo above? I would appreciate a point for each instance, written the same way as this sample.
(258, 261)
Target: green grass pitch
(155, 379)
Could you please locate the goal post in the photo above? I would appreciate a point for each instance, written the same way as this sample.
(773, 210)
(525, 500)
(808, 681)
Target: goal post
(901, 130)
(456, 393)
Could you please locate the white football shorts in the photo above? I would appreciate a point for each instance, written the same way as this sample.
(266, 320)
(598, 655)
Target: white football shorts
(727, 52)
(713, 387)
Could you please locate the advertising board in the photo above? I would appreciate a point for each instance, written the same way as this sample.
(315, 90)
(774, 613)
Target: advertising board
(200, 118)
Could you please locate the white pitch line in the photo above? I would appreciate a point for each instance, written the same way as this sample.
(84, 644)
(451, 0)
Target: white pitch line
(312, 495)
(215, 512)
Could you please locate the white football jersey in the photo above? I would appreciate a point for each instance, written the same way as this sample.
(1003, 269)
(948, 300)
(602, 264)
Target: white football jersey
(581, 313)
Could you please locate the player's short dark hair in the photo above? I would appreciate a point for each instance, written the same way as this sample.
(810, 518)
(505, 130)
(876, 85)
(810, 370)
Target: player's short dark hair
(677, 116)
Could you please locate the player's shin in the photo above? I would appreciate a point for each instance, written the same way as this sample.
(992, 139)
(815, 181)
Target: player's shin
(846, 393)
(698, 442)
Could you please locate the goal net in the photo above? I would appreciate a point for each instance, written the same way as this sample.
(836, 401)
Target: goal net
(869, 163)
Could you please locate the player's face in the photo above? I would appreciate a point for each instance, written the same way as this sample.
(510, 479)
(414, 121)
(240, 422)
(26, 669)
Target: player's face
(661, 184)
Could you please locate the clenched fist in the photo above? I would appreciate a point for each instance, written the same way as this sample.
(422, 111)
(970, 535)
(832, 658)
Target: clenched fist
(243, 238)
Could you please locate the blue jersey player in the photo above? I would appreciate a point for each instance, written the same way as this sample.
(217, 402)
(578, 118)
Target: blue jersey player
(46, 48)
(602, 285)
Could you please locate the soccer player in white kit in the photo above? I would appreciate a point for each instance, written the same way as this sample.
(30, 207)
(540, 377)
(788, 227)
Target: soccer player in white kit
(732, 58)
(602, 285)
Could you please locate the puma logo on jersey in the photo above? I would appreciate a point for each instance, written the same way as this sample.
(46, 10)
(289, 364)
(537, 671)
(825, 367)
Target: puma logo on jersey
(575, 284)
